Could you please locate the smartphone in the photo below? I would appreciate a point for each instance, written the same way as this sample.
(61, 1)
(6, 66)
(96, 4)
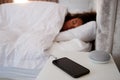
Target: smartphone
(72, 68)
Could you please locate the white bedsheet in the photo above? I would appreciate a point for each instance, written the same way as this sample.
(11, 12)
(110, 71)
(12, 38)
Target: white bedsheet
(13, 73)
(26, 34)
(26, 31)
(58, 49)
(73, 45)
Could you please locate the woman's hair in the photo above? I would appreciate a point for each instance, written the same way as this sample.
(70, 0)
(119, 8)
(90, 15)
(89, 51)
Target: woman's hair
(86, 16)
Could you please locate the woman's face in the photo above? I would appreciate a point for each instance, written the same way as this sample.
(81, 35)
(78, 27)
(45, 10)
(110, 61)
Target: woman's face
(72, 23)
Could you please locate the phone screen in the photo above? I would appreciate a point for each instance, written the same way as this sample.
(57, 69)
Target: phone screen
(72, 68)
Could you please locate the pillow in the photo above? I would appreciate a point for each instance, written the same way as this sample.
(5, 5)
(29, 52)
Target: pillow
(86, 32)
(71, 45)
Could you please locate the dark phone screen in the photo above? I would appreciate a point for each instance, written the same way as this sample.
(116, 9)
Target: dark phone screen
(72, 68)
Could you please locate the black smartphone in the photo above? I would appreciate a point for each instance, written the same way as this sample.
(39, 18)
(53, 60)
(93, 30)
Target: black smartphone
(72, 68)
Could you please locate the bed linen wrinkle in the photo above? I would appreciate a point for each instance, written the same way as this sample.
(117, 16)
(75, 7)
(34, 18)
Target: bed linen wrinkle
(33, 27)
(32, 40)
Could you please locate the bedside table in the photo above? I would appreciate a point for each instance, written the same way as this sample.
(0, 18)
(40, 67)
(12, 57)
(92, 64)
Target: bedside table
(107, 71)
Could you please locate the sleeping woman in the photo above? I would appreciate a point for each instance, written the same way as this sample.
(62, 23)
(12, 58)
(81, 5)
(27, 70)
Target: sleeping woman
(75, 20)
(77, 32)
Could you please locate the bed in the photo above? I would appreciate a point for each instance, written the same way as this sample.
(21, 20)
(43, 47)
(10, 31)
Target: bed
(29, 35)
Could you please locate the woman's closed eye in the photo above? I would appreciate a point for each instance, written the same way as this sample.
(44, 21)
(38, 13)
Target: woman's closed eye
(74, 22)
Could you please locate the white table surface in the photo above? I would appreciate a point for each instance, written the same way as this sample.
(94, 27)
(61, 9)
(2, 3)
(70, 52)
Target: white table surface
(107, 71)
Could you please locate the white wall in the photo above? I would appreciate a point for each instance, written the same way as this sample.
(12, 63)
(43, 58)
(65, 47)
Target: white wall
(78, 5)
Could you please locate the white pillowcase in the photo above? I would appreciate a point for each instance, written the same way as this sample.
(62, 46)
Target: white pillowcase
(86, 32)
(70, 46)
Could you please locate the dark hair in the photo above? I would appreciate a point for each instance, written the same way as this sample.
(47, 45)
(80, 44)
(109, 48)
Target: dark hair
(86, 16)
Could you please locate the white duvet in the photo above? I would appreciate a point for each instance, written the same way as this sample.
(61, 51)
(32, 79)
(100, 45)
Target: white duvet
(26, 31)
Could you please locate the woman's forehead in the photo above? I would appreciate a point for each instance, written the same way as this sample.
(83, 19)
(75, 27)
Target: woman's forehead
(75, 19)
